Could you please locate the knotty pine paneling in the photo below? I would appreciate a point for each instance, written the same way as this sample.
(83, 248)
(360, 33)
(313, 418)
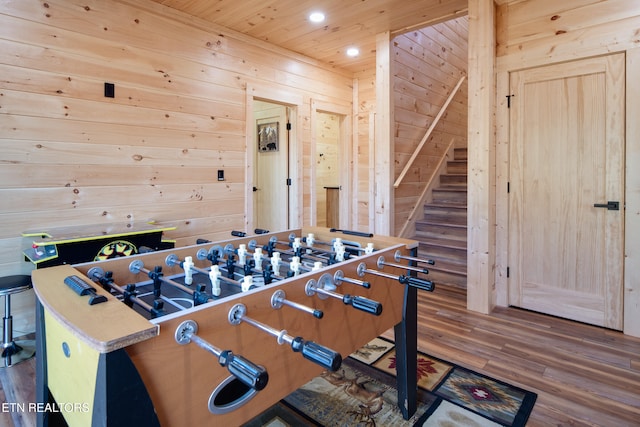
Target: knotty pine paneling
(429, 63)
(70, 156)
(531, 34)
(535, 33)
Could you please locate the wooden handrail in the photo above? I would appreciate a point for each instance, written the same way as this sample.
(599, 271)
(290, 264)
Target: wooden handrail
(420, 202)
(428, 133)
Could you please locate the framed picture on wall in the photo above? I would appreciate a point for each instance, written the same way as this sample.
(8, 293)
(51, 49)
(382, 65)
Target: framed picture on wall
(268, 136)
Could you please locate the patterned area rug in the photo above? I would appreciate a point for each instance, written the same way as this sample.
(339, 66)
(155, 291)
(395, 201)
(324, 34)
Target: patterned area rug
(362, 393)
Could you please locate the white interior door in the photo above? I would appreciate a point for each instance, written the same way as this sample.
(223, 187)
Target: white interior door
(271, 171)
(567, 155)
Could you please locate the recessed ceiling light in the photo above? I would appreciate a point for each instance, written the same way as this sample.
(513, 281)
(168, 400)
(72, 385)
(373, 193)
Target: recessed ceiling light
(353, 51)
(316, 17)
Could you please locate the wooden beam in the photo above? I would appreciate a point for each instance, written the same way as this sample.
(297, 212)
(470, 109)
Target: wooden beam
(632, 200)
(481, 164)
(383, 137)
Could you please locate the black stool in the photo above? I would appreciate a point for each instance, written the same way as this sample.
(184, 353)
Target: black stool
(14, 352)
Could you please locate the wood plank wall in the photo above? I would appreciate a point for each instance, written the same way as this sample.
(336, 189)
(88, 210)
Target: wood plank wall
(71, 156)
(429, 63)
(540, 32)
(364, 133)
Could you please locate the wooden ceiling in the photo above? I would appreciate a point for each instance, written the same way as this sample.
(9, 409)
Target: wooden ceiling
(348, 23)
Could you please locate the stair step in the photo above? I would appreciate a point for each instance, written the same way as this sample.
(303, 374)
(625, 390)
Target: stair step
(453, 179)
(429, 230)
(444, 271)
(442, 247)
(448, 209)
(450, 193)
(445, 217)
(439, 277)
(460, 154)
(457, 166)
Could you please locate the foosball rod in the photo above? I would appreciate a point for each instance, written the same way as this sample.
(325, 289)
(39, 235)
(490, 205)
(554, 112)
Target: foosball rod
(368, 249)
(254, 376)
(216, 254)
(425, 285)
(310, 350)
(292, 250)
(398, 256)
(279, 298)
(187, 265)
(244, 285)
(295, 243)
(230, 267)
(339, 277)
(137, 267)
(381, 263)
(106, 280)
(324, 288)
(258, 256)
(199, 296)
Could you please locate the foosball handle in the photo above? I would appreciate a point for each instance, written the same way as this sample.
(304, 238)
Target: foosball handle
(255, 376)
(425, 285)
(317, 353)
(363, 304)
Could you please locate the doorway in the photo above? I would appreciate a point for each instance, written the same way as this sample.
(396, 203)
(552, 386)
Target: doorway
(272, 176)
(327, 158)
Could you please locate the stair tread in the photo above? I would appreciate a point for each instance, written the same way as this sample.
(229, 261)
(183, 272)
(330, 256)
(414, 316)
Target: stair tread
(445, 204)
(446, 262)
(459, 188)
(447, 269)
(439, 241)
(452, 221)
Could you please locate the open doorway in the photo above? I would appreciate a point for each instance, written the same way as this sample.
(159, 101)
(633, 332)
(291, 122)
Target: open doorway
(327, 161)
(331, 167)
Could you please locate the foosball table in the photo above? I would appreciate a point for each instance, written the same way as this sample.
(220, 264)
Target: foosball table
(215, 333)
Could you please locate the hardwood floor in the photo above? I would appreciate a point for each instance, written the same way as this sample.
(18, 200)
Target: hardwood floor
(584, 375)
(18, 385)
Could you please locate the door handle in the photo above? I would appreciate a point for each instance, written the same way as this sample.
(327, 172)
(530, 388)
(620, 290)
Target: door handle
(612, 206)
(255, 189)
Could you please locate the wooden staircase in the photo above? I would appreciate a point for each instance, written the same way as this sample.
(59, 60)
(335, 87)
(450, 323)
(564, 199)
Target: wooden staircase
(442, 232)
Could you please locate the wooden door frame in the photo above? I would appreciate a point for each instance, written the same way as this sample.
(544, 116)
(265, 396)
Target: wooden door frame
(344, 159)
(488, 88)
(631, 296)
(580, 233)
(282, 96)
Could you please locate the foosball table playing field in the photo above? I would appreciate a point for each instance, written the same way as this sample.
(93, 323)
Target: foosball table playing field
(215, 333)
